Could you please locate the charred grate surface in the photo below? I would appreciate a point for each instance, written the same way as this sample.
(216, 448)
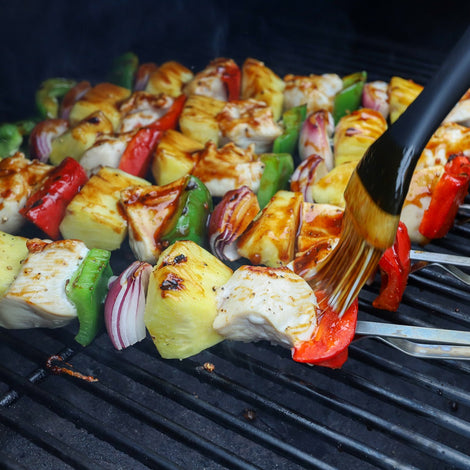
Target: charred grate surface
(256, 408)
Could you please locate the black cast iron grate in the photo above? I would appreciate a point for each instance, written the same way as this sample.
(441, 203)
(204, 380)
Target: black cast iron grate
(248, 405)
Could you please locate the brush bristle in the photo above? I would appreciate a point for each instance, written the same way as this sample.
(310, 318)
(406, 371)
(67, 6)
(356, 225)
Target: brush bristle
(347, 268)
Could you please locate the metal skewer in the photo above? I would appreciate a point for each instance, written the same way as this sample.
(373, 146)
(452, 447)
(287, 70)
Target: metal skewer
(444, 261)
(440, 258)
(413, 333)
(431, 343)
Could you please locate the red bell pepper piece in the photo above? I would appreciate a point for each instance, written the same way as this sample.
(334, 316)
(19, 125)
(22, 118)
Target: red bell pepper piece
(138, 154)
(231, 77)
(329, 346)
(394, 267)
(136, 158)
(170, 119)
(46, 207)
(449, 193)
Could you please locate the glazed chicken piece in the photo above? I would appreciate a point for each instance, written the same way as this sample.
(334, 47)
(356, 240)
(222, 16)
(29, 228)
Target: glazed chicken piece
(461, 112)
(142, 109)
(106, 151)
(317, 91)
(210, 82)
(37, 296)
(18, 177)
(418, 199)
(227, 168)
(262, 303)
(147, 209)
(248, 122)
(449, 139)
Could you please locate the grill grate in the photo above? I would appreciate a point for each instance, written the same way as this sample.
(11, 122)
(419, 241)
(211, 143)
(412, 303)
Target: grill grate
(382, 409)
(257, 408)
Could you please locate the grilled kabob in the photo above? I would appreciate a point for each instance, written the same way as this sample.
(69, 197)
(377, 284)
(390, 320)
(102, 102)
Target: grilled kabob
(229, 165)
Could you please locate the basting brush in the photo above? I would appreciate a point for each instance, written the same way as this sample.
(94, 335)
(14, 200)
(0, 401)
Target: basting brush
(378, 187)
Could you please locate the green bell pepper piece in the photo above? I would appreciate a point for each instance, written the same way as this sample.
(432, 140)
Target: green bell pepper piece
(87, 290)
(286, 142)
(48, 94)
(277, 171)
(349, 98)
(10, 139)
(190, 218)
(293, 119)
(124, 69)
(25, 126)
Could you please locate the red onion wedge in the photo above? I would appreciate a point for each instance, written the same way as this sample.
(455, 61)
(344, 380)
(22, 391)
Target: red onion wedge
(315, 136)
(143, 74)
(307, 174)
(229, 219)
(125, 304)
(72, 96)
(375, 96)
(41, 137)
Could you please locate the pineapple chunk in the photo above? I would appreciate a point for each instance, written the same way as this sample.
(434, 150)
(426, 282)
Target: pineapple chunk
(181, 300)
(174, 157)
(270, 239)
(13, 251)
(198, 118)
(74, 142)
(261, 83)
(169, 78)
(104, 97)
(330, 189)
(355, 133)
(94, 216)
(147, 210)
(402, 94)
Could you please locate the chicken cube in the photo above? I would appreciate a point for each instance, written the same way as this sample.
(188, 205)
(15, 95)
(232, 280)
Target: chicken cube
(248, 122)
(316, 91)
(18, 178)
(37, 296)
(227, 168)
(263, 303)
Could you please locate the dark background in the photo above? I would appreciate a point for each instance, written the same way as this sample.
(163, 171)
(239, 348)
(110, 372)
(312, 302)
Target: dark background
(79, 39)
